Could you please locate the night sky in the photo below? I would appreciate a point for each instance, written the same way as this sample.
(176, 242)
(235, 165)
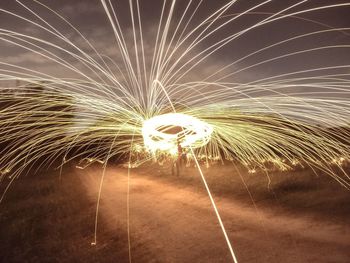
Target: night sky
(91, 20)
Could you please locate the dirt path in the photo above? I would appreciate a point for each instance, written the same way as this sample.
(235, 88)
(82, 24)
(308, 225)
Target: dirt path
(174, 224)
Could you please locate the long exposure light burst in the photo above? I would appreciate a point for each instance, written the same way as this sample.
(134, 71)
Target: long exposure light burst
(262, 88)
(164, 132)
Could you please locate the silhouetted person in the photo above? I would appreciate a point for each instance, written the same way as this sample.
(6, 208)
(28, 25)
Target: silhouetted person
(177, 164)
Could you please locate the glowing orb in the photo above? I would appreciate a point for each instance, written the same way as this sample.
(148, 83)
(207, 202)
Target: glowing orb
(165, 132)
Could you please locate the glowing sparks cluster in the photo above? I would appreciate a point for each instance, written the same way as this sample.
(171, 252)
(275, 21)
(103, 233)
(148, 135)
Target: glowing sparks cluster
(259, 107)
(165, 132)
(122, 104)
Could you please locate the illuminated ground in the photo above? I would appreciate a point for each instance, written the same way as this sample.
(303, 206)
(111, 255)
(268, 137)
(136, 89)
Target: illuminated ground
(304, 218)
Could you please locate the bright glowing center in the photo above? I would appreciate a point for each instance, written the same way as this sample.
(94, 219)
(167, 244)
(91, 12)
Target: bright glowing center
(165, 132)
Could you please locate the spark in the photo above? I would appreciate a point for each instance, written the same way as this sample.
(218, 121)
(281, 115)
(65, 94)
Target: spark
(163, 132)
(169, 82)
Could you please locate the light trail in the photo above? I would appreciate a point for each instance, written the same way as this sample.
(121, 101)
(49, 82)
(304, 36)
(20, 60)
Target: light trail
(268, 105)
(228, 242)
(201, 129)
(162, 132)
(128, 202)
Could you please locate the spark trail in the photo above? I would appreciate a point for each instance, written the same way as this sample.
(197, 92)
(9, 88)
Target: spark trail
(275, 102)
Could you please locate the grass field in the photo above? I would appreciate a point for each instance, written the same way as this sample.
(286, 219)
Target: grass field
(45, 219)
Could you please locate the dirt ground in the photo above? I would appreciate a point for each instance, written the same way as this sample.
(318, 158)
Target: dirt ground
(297, 217)
(171, 221)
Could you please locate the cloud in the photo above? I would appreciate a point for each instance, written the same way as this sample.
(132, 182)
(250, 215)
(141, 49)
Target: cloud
(27, 57)
(77, 8)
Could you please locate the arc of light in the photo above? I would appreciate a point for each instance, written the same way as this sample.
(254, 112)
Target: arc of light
(208, 191)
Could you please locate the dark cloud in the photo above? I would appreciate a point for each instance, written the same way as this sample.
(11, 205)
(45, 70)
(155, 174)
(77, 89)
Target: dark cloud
(91, 20)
